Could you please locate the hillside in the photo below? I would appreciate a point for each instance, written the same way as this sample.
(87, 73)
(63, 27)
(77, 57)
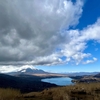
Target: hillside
(74, 92)
(97, 75)
(25, 83)
(86, 78)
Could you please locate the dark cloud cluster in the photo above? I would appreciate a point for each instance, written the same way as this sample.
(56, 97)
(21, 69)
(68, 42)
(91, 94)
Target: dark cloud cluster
(32, 29)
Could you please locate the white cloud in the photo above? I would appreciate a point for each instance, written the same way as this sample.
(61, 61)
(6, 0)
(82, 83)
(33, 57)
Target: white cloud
(12, 68)
(78, 43)
(92, 32)
(5, 69)
(90, 61)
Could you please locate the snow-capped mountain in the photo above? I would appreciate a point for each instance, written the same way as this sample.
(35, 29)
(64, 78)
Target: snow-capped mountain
(32, 71)
(28, 71)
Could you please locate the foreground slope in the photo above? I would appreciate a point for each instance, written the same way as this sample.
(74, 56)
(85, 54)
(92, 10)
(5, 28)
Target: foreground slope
(75, 92)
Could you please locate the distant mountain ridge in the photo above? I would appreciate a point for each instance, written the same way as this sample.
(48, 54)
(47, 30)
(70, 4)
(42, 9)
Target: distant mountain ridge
(33, 71)
(86, 78)
(81, 73)
(97, 75)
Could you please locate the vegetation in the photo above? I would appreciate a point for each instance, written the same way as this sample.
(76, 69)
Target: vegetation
(81, 91)
(9, 94)
(25, 83)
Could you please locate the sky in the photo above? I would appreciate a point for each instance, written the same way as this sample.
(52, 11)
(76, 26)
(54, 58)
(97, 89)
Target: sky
(53, 35)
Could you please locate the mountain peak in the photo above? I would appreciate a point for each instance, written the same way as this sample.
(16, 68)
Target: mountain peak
(29, 71)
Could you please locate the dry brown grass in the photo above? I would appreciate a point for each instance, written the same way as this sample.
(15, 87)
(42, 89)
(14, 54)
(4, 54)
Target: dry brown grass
(81, 91)
(9, 94)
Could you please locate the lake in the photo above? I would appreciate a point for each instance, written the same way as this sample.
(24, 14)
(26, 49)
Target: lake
(61, 81)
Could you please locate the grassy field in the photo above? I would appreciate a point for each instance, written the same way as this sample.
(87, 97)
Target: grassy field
(75, 92)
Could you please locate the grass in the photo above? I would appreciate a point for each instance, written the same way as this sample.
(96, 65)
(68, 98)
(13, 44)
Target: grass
(81, 91)
(9, 94)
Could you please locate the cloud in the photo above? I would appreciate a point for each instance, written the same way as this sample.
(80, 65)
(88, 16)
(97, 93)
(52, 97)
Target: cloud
(8, 68)
(11, 68)
(32, 30)
(74, 50)
(35, 32)
(90, 61)
(92, 32)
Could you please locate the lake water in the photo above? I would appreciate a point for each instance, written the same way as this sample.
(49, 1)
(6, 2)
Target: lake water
(62, 81)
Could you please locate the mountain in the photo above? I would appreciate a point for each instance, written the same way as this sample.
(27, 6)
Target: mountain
(86, 78)
(28, 71)
(97, 75)
(81, 73)
(32, 71)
